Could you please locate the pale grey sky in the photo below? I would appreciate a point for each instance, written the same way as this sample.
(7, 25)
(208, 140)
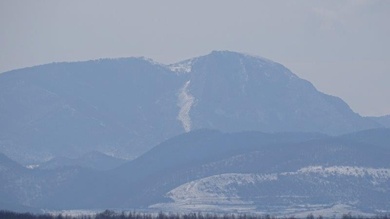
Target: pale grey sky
(342, 47)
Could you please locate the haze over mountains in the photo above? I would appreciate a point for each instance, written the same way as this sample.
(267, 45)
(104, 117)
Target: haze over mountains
(247, 172)
(124, 107)
(383, 120)
(224, 132)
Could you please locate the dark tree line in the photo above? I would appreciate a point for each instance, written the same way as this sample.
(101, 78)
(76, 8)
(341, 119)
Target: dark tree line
(134, 215)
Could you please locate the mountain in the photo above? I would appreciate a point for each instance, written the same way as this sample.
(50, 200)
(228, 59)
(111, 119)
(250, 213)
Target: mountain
(24, 189)
(285, 173)
(93, 160)
(10, 174)
(124, 107)
(206, 170)
(383, 120)
(307, 190)
(118, 107)
(230, 91)
(137, 183)
(325, 176)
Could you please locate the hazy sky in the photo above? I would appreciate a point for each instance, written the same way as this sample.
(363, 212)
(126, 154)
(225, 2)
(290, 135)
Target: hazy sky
(342, 47)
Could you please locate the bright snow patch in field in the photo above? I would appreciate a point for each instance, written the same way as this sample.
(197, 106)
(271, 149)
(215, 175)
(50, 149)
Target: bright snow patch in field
(73, 213)
(186, 100)
(333, 211)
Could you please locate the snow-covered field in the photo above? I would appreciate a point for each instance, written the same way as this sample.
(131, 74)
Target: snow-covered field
(231, 192)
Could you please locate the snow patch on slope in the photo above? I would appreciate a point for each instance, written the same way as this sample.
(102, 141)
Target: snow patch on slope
(186, 100)
(32, 166)
(151, 61)
(261, 61)
(181, 67)
(380, 173)
(213, 194)
(216, 189)
(221, 193)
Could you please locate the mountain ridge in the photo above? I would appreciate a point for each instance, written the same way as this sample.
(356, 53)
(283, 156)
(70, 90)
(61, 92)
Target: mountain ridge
(305, 169)
(123, 107)
(246, 78)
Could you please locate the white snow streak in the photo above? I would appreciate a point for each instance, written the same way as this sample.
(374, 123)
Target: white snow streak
(32, 166)
(186, 100)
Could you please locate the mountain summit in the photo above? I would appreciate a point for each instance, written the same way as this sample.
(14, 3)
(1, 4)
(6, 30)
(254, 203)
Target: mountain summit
(231, 91)
(124, 107)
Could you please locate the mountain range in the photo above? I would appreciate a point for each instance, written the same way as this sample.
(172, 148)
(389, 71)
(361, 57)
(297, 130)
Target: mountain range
(124, 107)
(211, 171)
(225, 132)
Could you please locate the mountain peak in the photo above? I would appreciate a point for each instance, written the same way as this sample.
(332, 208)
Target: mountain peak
(241, 63)
(238, 55)
(107, 105)
(224, 52)
(234, 91)
(222, 57)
